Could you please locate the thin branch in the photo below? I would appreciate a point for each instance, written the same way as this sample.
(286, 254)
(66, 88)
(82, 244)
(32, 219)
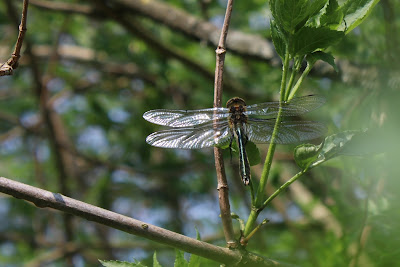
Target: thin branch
(47, 199)
(8, 67)
(223, 189)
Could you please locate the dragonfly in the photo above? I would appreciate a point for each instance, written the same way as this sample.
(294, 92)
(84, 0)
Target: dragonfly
(220, 126)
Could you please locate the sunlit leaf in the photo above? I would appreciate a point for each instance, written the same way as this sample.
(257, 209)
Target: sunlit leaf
(355, 12)
(179, 259)
(155, 261)
(195, 260)
(333, 15)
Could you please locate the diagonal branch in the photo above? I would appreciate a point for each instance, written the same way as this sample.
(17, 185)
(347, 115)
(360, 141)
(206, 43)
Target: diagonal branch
(243, 44)
(136, 28)
(47, 199)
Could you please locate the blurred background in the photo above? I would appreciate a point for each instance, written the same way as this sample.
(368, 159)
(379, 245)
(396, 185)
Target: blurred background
(71, 122)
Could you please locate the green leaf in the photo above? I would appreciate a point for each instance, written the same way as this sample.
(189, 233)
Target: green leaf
(309, 39)
(155, 261)
(121, 264)
(198, 237)
(253, 154)
(355, 12)
(306, 154)
(278, 38)
(179, 259)
(344, 143)
(319, 55)
(291, 15)
(195, 261)
(224, 146)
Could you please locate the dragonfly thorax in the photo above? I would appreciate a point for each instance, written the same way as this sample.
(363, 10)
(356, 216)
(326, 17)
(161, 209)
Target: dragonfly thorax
(237, 108)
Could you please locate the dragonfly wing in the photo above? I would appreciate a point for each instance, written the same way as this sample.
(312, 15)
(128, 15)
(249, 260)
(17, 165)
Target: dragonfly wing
(294, 107)
(192, 137)
(184, 118)
(260, 131)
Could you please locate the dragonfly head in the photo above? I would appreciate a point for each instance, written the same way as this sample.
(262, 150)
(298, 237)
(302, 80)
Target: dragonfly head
(235, 102)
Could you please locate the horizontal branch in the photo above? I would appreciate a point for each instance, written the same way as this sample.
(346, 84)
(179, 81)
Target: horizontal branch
(245, 44)
(238, 42)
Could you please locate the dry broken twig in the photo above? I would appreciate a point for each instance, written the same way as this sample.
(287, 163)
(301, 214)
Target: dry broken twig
(8, 67)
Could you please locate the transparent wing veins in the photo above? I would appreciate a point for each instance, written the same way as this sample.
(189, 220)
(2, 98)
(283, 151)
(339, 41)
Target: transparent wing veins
(260, 131)
(295, 107)
(192, 137)
(185, 118)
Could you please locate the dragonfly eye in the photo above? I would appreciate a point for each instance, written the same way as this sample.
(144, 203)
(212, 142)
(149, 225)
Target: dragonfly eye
(236, 101)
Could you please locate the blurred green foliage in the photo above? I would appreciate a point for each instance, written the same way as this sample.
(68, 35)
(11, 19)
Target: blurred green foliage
(99, 103)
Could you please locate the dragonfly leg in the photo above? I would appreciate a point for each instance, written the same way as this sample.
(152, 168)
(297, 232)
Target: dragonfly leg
(230, 144)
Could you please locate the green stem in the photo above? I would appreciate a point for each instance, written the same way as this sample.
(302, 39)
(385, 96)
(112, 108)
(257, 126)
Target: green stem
(283, 187)
(300, 81)
(247, 238)
(289, 182)
(284, 75)
(252, 192)
(290, 83)
(271, 150)
(251, 221)
(295, 69)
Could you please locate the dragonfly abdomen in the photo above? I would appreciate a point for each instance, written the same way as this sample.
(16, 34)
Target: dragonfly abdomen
(244, 166)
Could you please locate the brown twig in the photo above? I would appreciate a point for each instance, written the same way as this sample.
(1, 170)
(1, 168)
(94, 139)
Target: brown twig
(8, 67)
(223, 189)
